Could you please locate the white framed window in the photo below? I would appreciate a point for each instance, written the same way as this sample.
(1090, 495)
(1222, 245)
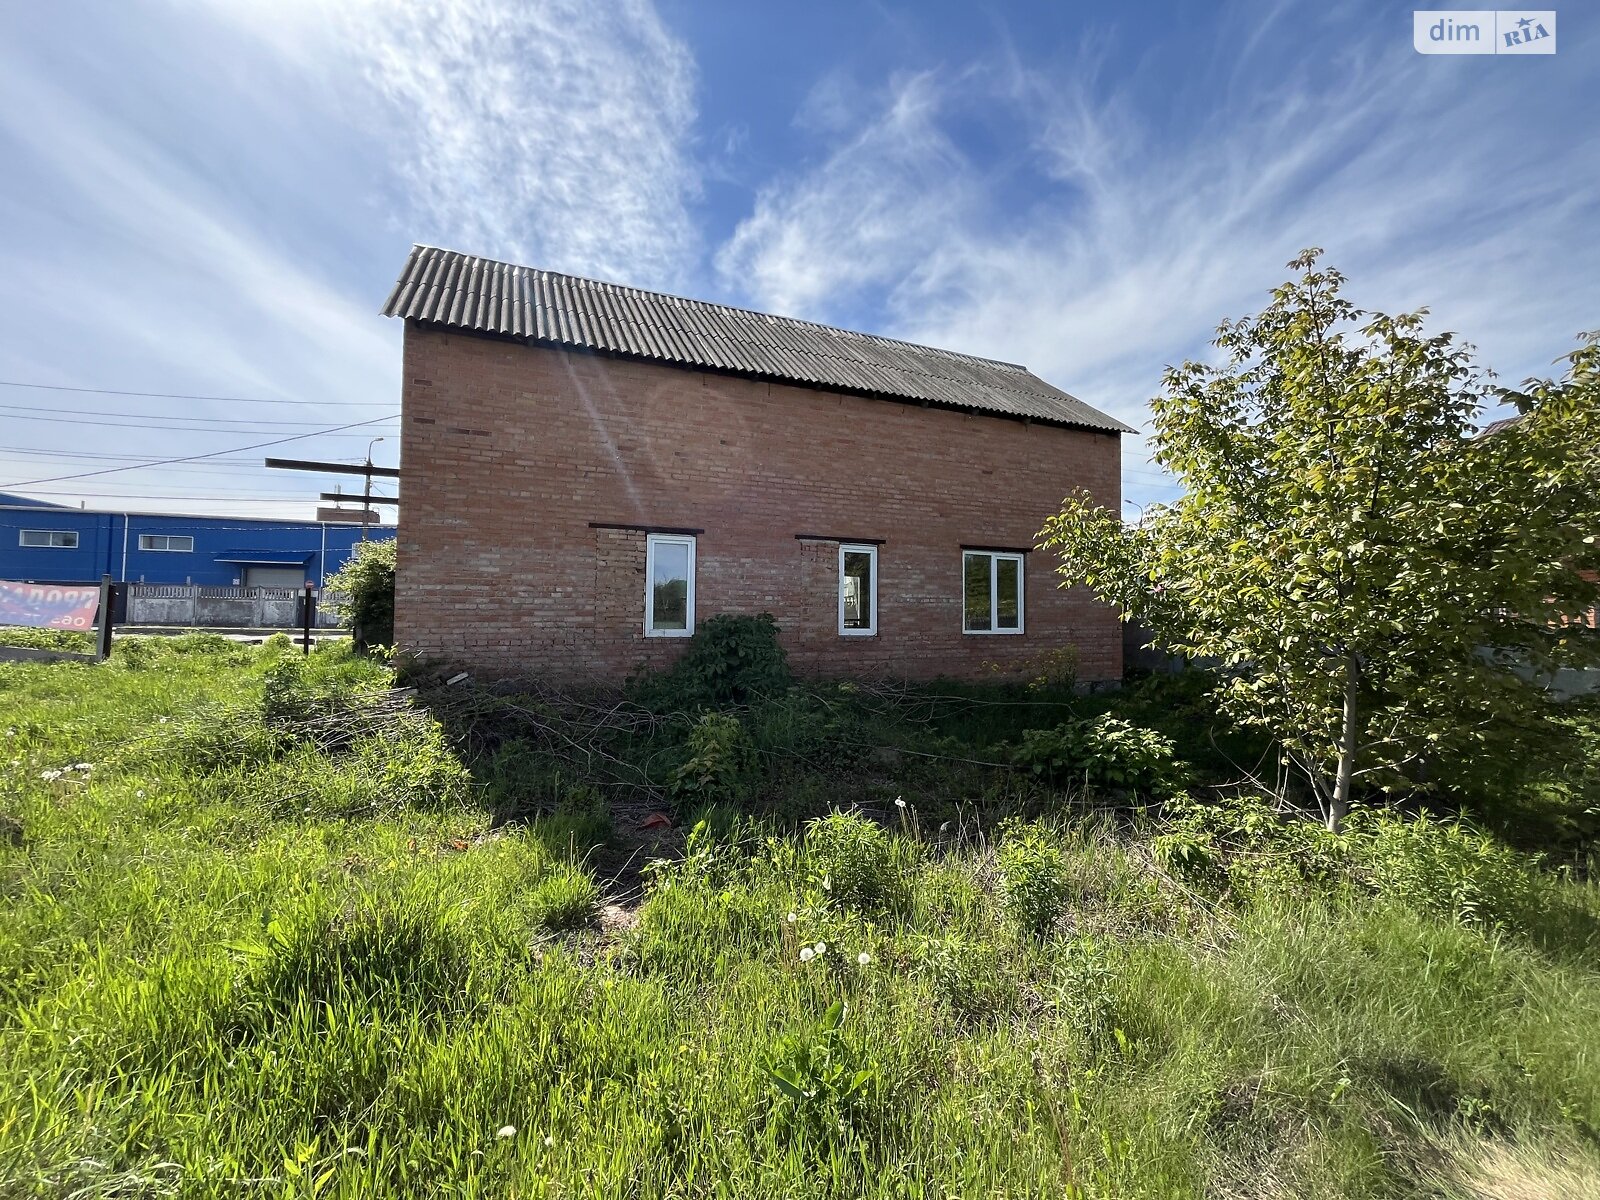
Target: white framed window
(169, 543)
(991, 592)
(858, 590)
(53, 539)
(668, 585)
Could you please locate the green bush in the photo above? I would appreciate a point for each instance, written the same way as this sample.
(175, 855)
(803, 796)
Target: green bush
(719, 758)
(1447, 869)
(966, 975)
(1034, 884)
(47, 639)
(136, 653)
(367, 582)
(820, 1078)
(1103, 751)
(853, 862)
(730, 660)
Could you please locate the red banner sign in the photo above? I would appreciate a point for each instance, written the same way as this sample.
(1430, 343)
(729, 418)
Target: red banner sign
(48, 606)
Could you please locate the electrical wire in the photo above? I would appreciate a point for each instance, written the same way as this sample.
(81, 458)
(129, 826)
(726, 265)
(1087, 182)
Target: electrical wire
(256, 426)
(162, 462)
(100, 412)
(56, 387)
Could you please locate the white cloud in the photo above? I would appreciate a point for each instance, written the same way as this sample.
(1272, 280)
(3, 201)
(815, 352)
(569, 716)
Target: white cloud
(1428, 184)
(862, 217)
(214, 198)
(554, 133)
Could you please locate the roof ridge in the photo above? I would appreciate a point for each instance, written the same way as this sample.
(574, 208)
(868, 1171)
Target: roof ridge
(633, 289)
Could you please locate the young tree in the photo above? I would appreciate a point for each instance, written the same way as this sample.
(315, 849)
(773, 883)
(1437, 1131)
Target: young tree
(367, 583)
(1382, 587)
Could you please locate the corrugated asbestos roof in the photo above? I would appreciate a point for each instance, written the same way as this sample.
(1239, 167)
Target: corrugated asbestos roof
(461, 291)
(1497, 426)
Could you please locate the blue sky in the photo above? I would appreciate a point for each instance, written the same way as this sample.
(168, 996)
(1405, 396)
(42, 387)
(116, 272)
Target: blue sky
(213, 198)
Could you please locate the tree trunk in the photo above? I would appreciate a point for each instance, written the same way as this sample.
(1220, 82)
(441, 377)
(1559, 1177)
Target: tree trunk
(1349, 738)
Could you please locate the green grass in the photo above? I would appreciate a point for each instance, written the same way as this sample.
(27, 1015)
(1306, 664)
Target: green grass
(238, 957)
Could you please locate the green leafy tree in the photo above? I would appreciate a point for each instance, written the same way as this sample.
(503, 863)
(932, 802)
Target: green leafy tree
(367, 583)
(1383, 587)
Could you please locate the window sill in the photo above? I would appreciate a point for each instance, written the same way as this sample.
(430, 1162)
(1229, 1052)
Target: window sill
(668, 633)
(993, 632)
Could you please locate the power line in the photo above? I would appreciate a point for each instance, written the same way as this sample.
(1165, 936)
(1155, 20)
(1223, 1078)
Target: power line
(42, 452)
(219, 497)
(56, 387)
(162, 462)
(212, 493)
(100, 412)
(256, 426)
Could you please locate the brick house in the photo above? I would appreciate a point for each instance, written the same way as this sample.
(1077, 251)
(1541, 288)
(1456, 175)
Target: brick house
(591, 469)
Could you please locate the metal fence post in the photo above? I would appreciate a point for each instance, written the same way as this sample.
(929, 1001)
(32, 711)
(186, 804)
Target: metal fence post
(308, 604)
(102, 632)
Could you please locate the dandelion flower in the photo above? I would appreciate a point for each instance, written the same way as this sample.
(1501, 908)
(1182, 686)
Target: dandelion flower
(549, 1141)
(791, 918)
(50, 775)
(807, 953)
(140, 794)
(863, 958)
(822, 947)
(506, 1131)
(899, 801)
(81, 767)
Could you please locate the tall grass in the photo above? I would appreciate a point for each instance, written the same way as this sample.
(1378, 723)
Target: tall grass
(239, 960)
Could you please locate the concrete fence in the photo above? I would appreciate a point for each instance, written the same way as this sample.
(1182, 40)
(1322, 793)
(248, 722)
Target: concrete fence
(191, 606)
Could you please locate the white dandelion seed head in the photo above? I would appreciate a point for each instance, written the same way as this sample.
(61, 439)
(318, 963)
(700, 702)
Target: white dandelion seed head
(899, 801)
(807, 953)
(863, 958)
(791, 918)
(49, 774)
(822, 947)
(506, 1131)
(549, 1141)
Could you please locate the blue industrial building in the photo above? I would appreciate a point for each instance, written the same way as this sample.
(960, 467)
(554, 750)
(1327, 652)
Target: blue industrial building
(50, 543)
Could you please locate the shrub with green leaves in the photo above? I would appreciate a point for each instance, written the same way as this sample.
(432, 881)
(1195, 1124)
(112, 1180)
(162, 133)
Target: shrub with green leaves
(1448, 868)
(1034, 884)
(853, 862)
(820, 1078)
(1103, 751)
(719, 757)
(731, 659)
(366, 581)
(71, 640)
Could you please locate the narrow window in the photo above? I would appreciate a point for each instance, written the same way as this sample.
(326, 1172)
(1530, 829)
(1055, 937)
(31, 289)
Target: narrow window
(669, 585)
(54, 539)
(991, 592)
(858, 590)
(166, 542)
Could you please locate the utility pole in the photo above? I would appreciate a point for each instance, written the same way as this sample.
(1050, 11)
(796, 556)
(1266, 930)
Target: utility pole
(366, 490)
(365, 469)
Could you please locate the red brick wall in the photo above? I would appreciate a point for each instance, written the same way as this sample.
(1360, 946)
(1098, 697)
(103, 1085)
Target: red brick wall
(510, 453)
